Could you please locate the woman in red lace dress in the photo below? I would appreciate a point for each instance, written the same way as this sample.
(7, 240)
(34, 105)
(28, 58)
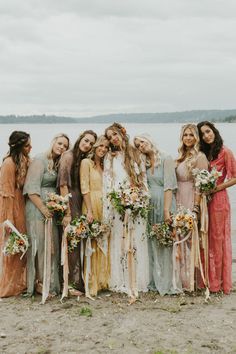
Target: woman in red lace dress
(220, 248)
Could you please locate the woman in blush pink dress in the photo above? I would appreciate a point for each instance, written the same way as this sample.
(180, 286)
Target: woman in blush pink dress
(220, 248)
(187, 196)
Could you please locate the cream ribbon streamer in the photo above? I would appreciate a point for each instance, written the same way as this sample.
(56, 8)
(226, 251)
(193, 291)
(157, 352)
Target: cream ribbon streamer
(65, 263)
(88, 253)
(47, 260)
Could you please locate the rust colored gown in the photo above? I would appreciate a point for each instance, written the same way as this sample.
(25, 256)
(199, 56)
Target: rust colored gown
(12, 207)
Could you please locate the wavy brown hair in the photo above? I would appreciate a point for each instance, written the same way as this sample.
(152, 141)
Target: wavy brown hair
(17, 141)
(79, 155)
(132, 155)
(210, 150)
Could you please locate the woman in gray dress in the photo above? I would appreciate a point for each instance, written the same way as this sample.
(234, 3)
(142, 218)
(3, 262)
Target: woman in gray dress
(162, 185)
(41, 179)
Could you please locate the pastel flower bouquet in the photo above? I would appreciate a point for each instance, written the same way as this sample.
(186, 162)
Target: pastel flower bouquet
(79, 229)
(16, 243)
(180, 225)
(57, 204)
(205, 180)
(183, 221)
(164, 233)
(130, 198)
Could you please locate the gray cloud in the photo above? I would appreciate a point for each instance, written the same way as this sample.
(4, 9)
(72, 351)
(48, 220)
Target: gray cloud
(91, 57)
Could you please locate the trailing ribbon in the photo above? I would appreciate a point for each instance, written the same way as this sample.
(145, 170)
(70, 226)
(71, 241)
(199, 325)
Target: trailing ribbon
(195, 258)
(176, 243)
(65, 263)
(88, 253)
(204, 234)
(47, 260)
(128, 252)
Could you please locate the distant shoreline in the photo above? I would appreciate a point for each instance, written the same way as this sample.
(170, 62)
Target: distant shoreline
(218, 116)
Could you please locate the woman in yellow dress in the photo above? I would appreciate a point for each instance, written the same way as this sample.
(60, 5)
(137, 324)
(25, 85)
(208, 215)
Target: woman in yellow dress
(96, 265)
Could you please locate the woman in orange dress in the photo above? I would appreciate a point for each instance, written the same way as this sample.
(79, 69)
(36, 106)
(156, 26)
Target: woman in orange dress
(12, 208)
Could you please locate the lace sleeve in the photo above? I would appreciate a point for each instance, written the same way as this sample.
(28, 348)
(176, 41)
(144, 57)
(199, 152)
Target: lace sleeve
(170, 181)
(8, 178)
(202, 162)
(230, 164)
(34, 177)
(64, 177)
(85, 176)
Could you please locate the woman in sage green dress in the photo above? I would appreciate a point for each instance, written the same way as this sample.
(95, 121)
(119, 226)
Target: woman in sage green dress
(162, 185)
(41, 179)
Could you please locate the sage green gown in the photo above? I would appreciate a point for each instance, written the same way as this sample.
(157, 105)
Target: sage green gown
(160, 257)
(40, 181)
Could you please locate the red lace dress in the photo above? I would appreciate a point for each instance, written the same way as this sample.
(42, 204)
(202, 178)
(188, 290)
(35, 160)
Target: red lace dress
(220, 248)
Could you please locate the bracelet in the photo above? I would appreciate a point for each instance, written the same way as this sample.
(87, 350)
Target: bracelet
(196, 208)
(43, 209)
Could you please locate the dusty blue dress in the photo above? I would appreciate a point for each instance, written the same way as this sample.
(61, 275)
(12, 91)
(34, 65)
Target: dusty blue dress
(40, 181)
(160, 257)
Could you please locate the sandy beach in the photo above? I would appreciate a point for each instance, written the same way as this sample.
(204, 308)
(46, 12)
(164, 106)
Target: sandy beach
(154, 324)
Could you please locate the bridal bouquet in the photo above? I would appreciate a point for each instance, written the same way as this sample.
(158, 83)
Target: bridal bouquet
(164, 233)
(205, 180)
(131, 198)
(79, 229)
(57, 203)
(183, 221)
(16, 243)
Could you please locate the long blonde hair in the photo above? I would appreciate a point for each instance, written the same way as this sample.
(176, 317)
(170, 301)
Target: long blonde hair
(150, 162)
(53, 164)
(189, 155)
(131, 154)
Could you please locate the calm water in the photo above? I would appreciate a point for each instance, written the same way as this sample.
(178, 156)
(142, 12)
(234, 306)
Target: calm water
(165, 135)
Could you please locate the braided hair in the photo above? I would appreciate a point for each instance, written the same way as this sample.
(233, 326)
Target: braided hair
(17, 141)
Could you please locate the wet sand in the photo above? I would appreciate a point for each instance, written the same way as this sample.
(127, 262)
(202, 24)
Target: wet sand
(154, 324)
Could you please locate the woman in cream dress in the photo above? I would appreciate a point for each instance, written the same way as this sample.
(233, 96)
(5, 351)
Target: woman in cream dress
(128, 243)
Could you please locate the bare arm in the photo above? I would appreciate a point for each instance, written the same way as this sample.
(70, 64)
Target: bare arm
(167, 204)
(224, 185)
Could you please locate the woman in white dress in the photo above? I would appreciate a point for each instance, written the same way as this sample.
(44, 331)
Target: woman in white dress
(128, 244)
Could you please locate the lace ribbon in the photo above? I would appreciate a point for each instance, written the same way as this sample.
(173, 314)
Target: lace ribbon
(128, 252)
(195, 254)
(48, 249)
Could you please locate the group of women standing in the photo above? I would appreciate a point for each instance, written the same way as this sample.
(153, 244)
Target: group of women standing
(126, 260)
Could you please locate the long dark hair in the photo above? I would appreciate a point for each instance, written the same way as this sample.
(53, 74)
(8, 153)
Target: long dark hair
(17, 141)
(78, 155)
(210, 150)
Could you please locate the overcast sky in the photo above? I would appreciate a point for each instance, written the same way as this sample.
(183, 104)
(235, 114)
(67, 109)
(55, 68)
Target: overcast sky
(82, 57)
